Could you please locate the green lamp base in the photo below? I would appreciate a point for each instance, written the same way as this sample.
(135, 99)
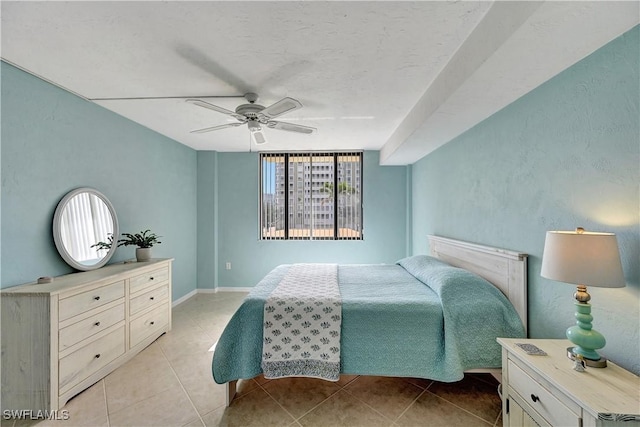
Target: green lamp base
(600, 363)
(586, 339)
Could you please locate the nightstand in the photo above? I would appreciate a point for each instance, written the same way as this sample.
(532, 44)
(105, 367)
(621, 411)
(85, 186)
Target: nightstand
(547, 391)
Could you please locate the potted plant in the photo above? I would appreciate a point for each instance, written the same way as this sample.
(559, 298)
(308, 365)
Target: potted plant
(144, 241)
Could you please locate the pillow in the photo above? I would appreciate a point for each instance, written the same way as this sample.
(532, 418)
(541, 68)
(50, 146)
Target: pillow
(420, 266)
(442, 277)
(420, 260)
(466, 299)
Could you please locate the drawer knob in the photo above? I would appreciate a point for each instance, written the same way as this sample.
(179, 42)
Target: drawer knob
(97, 323)
(151, 298)
(534, 397)
(151, 278)
(152, 322)
(97, 298)
(97, 356)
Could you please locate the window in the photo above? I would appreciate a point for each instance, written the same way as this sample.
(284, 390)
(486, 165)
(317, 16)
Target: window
(311, 208)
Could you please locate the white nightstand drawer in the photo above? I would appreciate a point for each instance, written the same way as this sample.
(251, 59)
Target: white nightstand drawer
(521, 414)
(148, 299)
(86, 301)
(541, 399)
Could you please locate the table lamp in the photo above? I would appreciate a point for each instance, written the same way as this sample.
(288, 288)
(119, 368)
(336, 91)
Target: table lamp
(582, 258)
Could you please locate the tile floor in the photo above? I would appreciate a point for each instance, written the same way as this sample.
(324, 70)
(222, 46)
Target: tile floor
(170, 384)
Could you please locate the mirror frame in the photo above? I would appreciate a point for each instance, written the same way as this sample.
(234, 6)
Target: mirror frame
(57, 235)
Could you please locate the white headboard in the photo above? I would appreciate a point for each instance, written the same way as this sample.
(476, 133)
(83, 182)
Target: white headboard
(505, 269)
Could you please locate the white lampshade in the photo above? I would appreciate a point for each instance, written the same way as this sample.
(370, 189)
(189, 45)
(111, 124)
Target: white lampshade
(582, 257)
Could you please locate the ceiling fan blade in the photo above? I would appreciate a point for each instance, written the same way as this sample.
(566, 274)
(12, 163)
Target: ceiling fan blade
(290, 127)
(283, 106)
(204, 104)
(258, 137)
(209, 129)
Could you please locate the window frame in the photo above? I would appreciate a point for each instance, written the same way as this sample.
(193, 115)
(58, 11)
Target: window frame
(308, 192)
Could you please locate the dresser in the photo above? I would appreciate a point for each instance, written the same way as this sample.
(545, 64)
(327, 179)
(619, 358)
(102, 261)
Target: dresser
(547, 391)
(60, 338)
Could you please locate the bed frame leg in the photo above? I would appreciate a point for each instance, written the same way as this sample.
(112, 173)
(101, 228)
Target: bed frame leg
(230, 392)
(497, 374)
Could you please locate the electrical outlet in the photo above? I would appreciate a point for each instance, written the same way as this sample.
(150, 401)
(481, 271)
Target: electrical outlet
(228, 265)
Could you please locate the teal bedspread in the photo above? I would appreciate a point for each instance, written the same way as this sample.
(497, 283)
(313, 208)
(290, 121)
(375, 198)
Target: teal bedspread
(418, 318)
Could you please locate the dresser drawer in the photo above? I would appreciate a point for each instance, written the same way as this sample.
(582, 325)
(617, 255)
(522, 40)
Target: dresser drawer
(541, 399)
(98, 321)
(148, 324)
(142, 281)
(89, 359)
(85, 301)
(148, 299)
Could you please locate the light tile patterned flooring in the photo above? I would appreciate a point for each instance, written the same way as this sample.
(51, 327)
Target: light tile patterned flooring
(170, 384)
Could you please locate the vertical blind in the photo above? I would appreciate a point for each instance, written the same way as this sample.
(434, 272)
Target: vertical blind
(311, 196)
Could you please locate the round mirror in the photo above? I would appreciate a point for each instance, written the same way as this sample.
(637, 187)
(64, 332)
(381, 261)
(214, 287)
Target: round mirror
(83, 219)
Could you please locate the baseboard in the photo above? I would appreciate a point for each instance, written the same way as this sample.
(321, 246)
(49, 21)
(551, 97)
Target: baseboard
(206, 291)
(233, 289)
(184, 298)
(222, 289)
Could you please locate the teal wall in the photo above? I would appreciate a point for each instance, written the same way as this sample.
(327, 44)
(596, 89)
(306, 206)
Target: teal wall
(53, 142)
(567, 154)
(207, 219)
(384, 223)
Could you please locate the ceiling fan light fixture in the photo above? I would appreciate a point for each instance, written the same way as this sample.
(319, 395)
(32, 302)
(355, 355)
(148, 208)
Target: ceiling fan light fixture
(254, 127)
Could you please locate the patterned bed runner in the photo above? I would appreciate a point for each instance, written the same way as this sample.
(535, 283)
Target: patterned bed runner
(302, 320)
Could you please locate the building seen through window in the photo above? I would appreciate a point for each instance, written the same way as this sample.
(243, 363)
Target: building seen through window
(311, 196)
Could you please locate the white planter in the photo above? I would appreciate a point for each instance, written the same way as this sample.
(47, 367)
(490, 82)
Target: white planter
(143, 254)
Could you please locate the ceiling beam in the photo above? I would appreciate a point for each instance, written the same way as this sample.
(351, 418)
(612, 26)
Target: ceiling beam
(547, 37)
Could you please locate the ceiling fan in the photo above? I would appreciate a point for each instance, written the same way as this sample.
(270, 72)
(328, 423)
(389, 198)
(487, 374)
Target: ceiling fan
(256, 116)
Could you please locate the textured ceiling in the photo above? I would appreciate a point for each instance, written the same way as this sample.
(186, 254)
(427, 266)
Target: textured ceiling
(400, 77)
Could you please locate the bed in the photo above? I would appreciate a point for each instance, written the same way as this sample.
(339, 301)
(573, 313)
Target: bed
(432, 316)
